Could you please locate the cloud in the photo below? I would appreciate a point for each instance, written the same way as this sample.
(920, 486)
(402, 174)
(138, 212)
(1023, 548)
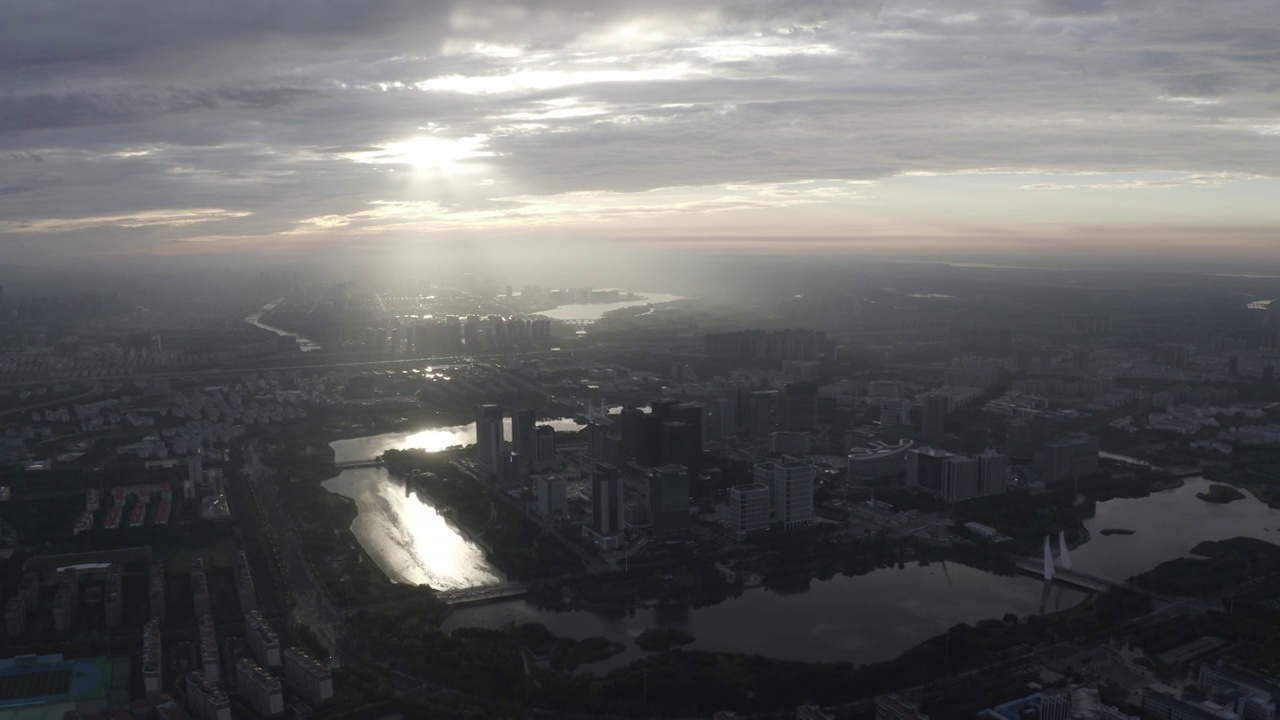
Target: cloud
(367, 116)
(1202, 180)
(148, 218)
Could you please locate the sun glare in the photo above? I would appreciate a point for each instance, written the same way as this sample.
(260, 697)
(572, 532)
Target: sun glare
(427, 152)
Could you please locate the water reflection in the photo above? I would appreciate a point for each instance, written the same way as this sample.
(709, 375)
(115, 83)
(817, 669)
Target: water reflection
(431, 439)
(407, 538)
(861, 619)
(595, 311)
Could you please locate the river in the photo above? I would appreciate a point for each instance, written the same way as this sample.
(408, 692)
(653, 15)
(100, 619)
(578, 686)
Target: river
(255, 320)
(595, 311)
(855, 619)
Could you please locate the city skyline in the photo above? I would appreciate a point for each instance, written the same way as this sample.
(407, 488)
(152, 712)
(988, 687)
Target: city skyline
(1023, 129)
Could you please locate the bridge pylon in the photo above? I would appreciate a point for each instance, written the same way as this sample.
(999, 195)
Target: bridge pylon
(1064, 556)
(1048, 560)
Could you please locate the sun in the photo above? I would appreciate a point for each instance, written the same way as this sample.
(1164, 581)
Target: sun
(429, 153)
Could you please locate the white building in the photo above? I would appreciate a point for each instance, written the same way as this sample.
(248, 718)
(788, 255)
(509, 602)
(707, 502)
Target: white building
(748, 508)
(791, 481)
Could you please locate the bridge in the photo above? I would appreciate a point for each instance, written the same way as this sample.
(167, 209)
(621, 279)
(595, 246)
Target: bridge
(359, 464)
(1066, 576)
(488, 593)
(1060, 571)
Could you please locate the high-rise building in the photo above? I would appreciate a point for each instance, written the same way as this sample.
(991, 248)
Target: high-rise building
(259, 688)
(679, 443)
(762, 413)
(206, 700)
(695, 416)
(639, 436)
(660, 409)
(961, 478)
(722, 423)
(933, 416)
(244, 583)
(489, 439)
(152, 658)
(1068, 458)
(894, 412)
(791, 481)
(606, 499)
(748, 508)
(523, 439)
(262, 640)
(667, 493)
(15, 617)
(925, 468)
(553, 498)
(801, 406)
(995, 472)
(312, 680)
(544, 450)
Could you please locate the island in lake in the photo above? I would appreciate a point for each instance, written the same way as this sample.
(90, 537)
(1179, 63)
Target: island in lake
(1222, 494)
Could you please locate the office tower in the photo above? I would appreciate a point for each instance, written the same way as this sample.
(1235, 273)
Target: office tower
(933, 417)
(523, 422)
(1068, 458)
(660, 409)
(995, 472)
(925, 468)
(596, 433)
(761, 416)
(544, 453)
(895, 412)
(679, 443)
(961, 478)
(801, 406)
(748, 508)
(667, 493)
(606, 499)
(489, 439)
(791, 481)
(553, 498)
(721, 421)
(312, 680)
(639, 436)
(694, 415)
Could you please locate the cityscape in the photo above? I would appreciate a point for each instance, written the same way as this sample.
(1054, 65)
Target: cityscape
(714, 360)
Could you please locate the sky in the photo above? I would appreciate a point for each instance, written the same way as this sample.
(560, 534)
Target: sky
(303, 128)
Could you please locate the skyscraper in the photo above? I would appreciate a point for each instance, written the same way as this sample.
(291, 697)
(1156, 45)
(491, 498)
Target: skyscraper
(801, 406)
(791, 481)
(489, 439)
(933, 417)
(606, 499)
(748, 508)
(523, 422)
(668, 498)
(925, 468)
(544, 448)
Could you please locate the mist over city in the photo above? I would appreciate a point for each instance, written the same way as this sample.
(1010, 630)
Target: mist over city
(818, 360)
